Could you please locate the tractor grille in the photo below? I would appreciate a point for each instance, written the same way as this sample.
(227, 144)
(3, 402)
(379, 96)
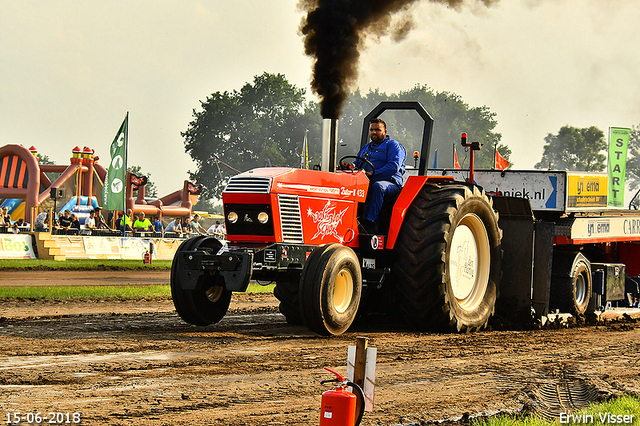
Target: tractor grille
(253, 184)
(290, 219)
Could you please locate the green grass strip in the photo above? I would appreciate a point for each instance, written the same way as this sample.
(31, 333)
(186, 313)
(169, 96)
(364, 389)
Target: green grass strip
(82, 264)
(607, 413)
(101, 292)
(85, 292)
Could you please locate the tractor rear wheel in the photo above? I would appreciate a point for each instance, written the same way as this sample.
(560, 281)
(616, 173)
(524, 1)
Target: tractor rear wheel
(210, 300)
(330, 289)
(449, 259)
(571, 284)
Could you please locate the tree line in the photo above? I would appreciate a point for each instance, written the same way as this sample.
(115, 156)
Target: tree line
(265, 122)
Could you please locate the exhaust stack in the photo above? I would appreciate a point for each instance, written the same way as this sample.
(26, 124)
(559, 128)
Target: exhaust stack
(329, 144)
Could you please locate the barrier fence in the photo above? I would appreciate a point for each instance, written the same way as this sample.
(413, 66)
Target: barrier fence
(23, 246)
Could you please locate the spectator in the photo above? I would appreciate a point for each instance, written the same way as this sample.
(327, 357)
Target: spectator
(124, 224)
(217, 230)
(100, 222)
(56, 222)
(75, 224)
(174, 226)
(41, 224)
(187, 227)
(157, 225)
(142, 224)
(119, 222)
(90, 222)
(65, 221)
(196, 225)
(6, 218)
(20, 223)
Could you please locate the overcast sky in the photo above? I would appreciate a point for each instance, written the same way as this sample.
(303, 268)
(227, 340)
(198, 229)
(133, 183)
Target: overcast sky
(70, 70)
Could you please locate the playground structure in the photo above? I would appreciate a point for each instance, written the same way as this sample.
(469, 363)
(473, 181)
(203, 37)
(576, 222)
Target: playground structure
(178, 203)
(29, 187)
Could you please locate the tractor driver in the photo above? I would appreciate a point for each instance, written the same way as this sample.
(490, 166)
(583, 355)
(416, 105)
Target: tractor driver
(388, 157)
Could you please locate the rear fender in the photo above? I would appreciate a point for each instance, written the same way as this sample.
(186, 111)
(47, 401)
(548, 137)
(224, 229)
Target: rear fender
(409, 192)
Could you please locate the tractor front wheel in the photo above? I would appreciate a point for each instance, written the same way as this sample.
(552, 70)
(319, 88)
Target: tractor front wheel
(330, 289)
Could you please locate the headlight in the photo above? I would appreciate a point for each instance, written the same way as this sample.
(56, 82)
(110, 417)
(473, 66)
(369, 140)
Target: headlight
(263, 217)
(232, 217)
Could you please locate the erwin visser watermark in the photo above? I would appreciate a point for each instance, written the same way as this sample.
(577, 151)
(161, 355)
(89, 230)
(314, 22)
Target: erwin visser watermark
(600, 418)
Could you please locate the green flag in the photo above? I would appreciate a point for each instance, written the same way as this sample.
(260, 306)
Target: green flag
(113, 191)
(618, 144)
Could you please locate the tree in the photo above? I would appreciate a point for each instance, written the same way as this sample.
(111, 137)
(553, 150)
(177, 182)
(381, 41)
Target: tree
(150, 189)
(262, 124)
(451, 116)
(265, 122)
(633, 159)
(574, 149)
(44, 159)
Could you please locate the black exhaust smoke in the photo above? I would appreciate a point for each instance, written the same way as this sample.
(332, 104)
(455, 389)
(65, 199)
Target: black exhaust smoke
(333, 32)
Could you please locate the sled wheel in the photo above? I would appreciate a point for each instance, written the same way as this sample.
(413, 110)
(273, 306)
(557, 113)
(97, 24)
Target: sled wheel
(571, 284)
(330, 289)
(177, 294)
(209, 302)
(449, 259)
(287, 293)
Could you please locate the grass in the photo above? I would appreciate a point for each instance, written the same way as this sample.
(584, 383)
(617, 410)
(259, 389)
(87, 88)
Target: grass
(94, 292)
(102, 292)
(86, 292)
(82, 264)
(596, 414)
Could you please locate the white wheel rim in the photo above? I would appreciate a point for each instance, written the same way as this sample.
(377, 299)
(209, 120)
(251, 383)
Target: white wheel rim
(214, 293)
(469, 262)
(343, 290)
(581, 289)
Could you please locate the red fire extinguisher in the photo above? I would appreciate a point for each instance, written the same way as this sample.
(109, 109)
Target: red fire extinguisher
(147, 257)
(339, 405)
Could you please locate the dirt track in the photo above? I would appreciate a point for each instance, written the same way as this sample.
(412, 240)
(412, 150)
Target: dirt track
(137, 363)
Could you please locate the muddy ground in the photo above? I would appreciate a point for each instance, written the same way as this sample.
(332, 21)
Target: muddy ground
(137, 363)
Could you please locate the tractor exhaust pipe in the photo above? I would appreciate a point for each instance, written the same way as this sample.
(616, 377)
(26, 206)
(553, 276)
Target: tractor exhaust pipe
(329, 144)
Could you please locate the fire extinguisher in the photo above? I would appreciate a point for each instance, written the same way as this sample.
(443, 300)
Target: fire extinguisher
(339, 405)
(147, 257)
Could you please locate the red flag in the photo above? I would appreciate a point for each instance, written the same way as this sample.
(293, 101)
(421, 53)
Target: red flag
(501, 163)
(456, 165)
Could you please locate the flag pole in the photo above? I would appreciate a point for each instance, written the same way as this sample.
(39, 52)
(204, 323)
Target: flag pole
(495, 154)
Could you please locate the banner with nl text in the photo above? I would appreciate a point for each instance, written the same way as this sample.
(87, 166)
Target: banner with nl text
(618, 144)
(113, 191)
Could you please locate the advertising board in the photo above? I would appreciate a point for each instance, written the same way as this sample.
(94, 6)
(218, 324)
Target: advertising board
(587, 191)
(545, 190)
(16, 246)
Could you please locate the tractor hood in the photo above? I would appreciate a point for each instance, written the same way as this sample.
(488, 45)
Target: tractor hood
(280, 180)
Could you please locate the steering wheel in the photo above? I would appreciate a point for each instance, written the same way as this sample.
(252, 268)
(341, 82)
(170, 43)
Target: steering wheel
(363, 160)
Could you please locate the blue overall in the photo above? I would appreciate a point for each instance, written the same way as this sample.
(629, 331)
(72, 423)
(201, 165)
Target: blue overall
(388, 158)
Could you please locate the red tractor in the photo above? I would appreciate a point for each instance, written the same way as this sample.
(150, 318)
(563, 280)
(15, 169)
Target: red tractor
(437, 257)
